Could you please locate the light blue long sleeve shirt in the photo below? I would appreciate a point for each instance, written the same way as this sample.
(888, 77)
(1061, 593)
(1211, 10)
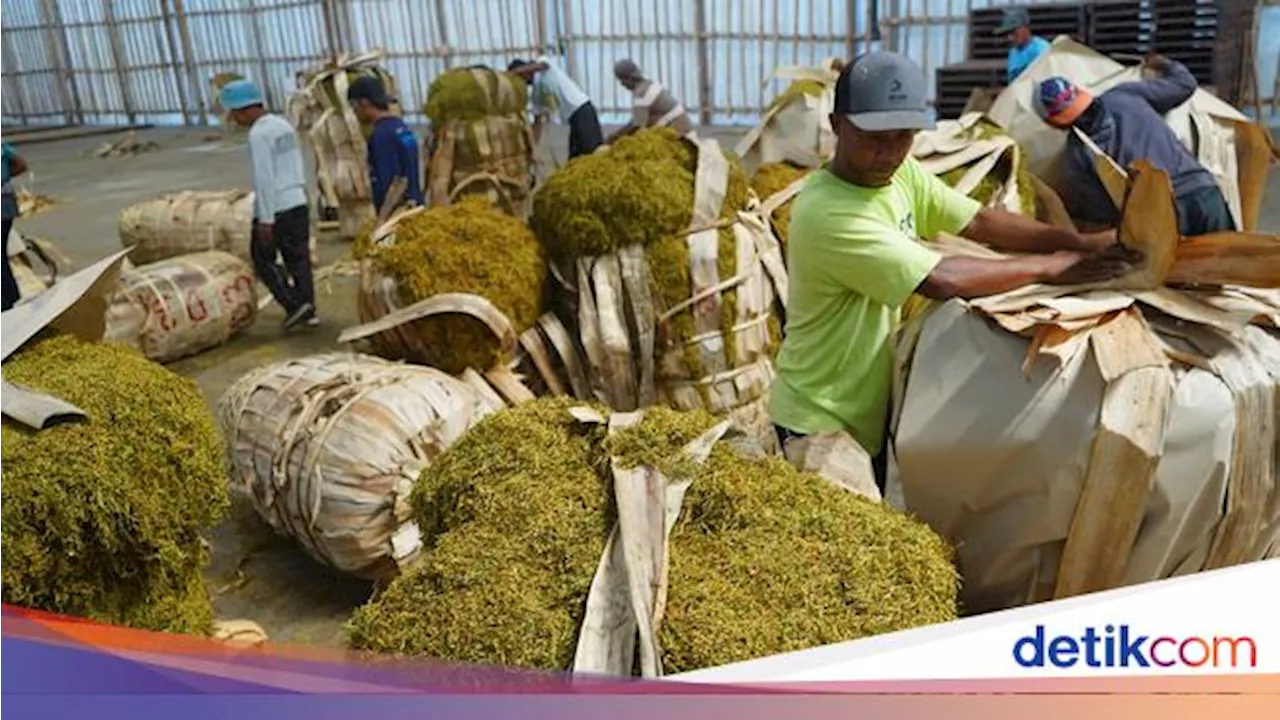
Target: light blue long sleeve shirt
(279, 178)
(1020, 58)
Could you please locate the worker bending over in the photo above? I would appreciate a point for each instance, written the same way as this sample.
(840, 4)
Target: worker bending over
(281, 219)
(551, 90)
(393, 148)
(1127, 123)
(1024, 48)
(652, 105)
(14, 165)
(854, 258)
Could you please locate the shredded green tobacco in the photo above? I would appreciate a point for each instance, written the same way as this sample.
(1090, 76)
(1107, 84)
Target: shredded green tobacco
(764, 559)
(102, 519)
(987, 187)
(467, 94)
(467, 247)
(772, 178)
(641, 191)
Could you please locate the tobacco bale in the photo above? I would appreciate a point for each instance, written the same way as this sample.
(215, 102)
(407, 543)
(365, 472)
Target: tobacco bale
(796, 90)
(773, 178)
(353, 431)
(474, 93)
(183, 305)
(468, 247)
(986, 189)
(639, 191)
(763, 560)
(102, 519)
(766, 559)
(514, 516)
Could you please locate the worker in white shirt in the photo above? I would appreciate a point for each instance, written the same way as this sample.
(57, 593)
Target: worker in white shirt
(652, 105)
(281, 218)
(552, 91)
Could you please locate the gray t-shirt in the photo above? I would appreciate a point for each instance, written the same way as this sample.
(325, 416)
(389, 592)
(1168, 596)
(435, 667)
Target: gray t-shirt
(279, 179)
(652, 104)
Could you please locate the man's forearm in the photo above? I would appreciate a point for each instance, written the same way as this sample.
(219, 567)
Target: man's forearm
(968, 277)
(1009, 231)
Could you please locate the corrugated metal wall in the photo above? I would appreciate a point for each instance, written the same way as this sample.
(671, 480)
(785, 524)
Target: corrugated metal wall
(117, 61)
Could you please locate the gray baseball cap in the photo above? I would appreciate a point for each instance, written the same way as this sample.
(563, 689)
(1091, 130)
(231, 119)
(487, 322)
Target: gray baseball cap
(883, 91)
(1014, 18)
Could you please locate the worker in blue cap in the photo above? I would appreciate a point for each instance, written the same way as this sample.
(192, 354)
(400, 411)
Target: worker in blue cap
(1024, 47)
(281, 218)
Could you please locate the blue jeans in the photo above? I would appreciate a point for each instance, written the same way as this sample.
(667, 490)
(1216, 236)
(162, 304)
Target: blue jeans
(1204, 211)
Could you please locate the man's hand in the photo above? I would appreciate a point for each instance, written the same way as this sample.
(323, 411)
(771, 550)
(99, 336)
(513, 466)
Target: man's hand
(1098, 241)
(1157, 62)
(1068, 267)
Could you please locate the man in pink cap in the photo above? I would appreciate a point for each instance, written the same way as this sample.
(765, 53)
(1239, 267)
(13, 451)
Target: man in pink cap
(1127, 123)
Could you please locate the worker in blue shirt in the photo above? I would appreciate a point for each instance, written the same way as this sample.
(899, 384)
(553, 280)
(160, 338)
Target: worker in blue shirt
(1024, 47)
(393, 148)
(1127, 123)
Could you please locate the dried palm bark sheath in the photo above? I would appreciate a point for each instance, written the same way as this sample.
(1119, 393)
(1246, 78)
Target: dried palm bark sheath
(328, 447)
(1163, 404)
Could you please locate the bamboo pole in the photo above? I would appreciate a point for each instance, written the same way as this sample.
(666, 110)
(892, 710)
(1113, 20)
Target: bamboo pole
(704, 70)
(443, 27)
(15, 81)
(540, 9)
(851, 29)
(255, 36)
(193, 76)
(59, 56)
(117, 57)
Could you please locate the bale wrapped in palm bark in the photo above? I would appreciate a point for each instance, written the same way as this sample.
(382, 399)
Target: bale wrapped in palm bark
(674, 286)
(327, 448)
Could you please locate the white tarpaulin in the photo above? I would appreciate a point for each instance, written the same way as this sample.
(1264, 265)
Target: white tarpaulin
(1205, 124)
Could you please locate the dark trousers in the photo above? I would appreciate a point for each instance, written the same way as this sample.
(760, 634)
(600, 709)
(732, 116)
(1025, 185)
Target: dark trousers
(11, 293)
(290, 282)
(584, 131)
(1204, 211)
(879, 463)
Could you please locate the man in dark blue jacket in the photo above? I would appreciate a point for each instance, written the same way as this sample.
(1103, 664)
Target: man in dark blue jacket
(1127, 123)
(393, 148)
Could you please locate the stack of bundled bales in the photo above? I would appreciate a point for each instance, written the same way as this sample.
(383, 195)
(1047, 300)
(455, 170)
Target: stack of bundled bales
(321, 113)
(674, 284)
(1161, 403)
(763, 559)
(483, 144)
(180, 306)
(439, 253)
(977, 157)
(188, 222)
(328, 447)
(796, 127)
(102, 518)
(776, 184)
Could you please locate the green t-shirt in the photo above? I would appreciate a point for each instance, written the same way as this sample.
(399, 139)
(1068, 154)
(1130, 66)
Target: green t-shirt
(853, 260)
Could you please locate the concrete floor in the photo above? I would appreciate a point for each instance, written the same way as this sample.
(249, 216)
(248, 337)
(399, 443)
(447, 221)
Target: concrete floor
(254, 574)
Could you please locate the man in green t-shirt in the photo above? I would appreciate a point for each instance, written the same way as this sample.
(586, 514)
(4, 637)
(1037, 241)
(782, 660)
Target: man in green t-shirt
(854, 258)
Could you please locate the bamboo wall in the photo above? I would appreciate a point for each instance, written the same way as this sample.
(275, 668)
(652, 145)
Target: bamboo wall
(151, 61)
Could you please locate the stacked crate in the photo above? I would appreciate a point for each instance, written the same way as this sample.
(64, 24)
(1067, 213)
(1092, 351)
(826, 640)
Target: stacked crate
(1124, 29)
(1048, 21)
(955, 82)
(1186, 30)
(1127, 30)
